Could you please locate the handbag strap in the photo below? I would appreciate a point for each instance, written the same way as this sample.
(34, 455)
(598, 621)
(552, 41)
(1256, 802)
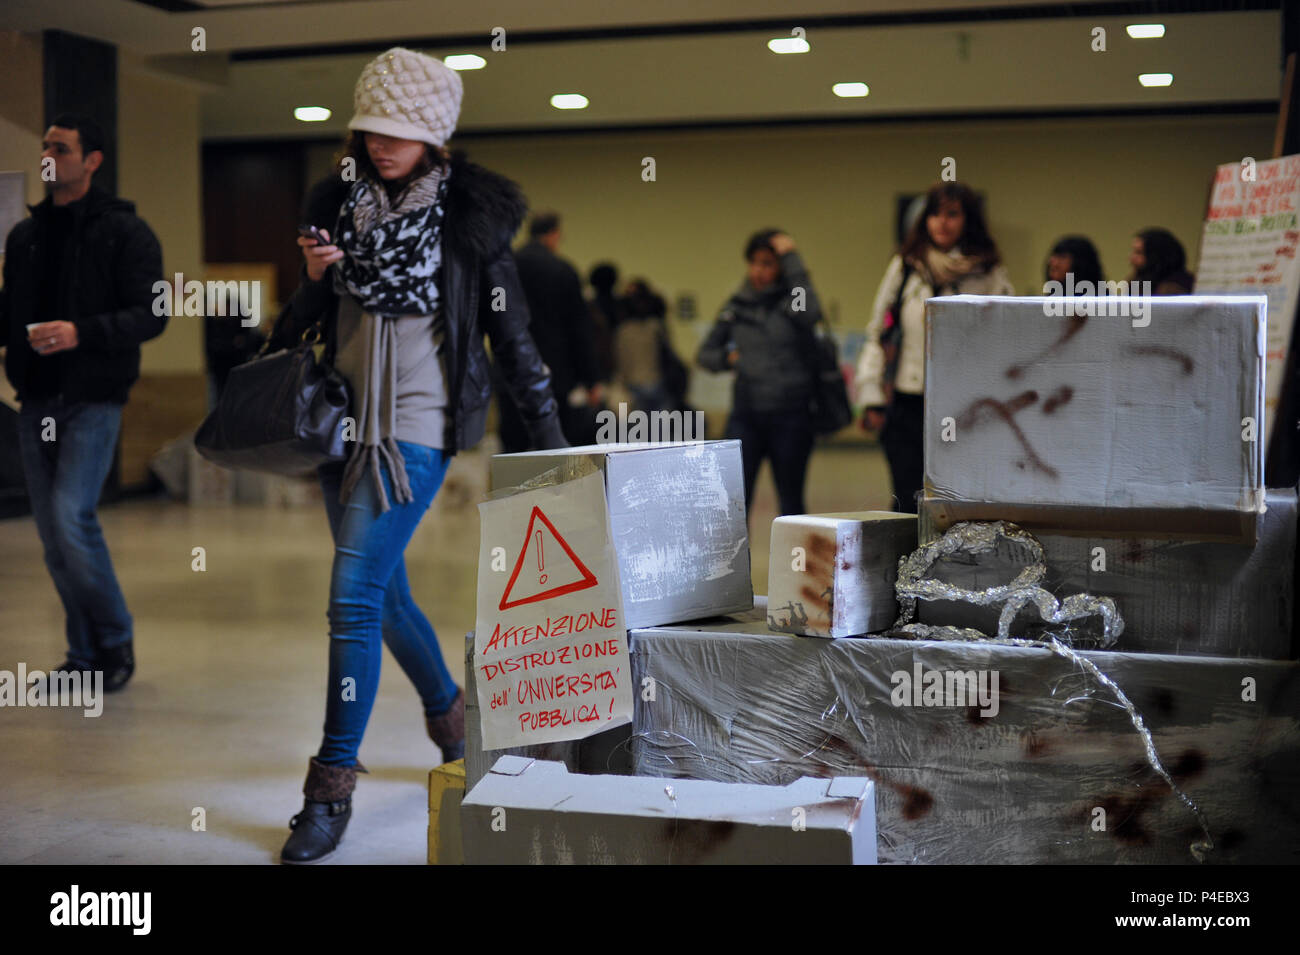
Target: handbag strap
(897, 310)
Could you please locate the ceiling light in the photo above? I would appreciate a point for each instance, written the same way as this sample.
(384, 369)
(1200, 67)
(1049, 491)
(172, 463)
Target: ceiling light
(311, 114)
(850, 89)
(1156, 79)
(1146, 31)
(569, 101)
(465, 61)
(788, 44)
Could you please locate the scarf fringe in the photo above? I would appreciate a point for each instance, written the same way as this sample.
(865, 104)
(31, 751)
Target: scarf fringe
(366, 459)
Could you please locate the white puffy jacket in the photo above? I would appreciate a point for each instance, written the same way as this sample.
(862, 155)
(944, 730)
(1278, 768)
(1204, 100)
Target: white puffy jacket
(868, 390)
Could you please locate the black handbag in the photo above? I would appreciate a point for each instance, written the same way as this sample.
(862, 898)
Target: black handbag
(280, 413)
(831, 410)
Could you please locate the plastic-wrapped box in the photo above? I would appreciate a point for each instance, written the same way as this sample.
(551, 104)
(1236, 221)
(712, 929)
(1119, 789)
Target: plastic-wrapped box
(832, 575)
(1146, 421)
(1057, 774)
(528, 811)
(1198, 597)
(677, 517)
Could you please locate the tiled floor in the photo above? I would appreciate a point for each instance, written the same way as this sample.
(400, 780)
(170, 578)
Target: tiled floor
(226, 705)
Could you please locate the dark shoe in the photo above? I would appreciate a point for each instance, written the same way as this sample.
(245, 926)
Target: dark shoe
(318, 828)
(51, 686)
(447, 730)
(118, 665)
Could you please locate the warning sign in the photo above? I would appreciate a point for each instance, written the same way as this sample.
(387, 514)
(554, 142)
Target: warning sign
(535, 545)
(550, 646)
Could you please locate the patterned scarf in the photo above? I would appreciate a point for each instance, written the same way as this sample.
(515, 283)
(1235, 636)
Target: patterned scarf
(392, 253)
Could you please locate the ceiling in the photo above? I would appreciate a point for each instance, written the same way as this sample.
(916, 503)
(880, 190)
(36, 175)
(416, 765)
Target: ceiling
(685, 63)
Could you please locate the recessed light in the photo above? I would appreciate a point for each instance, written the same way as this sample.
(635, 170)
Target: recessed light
(311, 114)
(1146, 31)
(788, 44)
(465, 61)
(569, 101)
(850, 89)
(1156, 79)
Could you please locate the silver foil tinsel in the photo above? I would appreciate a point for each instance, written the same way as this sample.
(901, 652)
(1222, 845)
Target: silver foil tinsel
(977, 538)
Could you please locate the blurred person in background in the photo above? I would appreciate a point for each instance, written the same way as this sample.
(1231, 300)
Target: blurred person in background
(948, 251)
(1072, 261)
(763, 334)
(561, 326)
(605, 310)
(77, 302)
(404, 287)
(645, 362)
(1157, 257)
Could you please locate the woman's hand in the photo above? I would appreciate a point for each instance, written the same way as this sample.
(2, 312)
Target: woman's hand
(781, 243)
(318, 257)
(733, 358)
(873, 419)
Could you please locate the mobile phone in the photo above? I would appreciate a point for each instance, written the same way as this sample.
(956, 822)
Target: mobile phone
(311, 232)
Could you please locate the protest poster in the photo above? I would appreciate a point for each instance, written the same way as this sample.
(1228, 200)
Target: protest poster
(1248, 247)
(550, 645)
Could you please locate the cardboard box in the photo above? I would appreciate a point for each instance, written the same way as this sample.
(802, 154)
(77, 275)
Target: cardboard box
(605, 752)
(1132, 424)
(832, 575)
(1198, 597)
(446, 790)
(735, 702)
(677, 516)
(527, 811)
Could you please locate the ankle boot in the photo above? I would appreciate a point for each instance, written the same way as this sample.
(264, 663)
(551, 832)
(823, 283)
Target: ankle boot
(118, 665)
(447, 730)
(318, 828)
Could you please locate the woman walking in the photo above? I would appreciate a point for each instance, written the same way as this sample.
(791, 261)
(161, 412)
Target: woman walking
(948, 251)
(416, 255)
(764, 333)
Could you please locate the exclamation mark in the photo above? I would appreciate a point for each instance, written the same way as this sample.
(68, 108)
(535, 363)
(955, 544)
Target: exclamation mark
(541, 560)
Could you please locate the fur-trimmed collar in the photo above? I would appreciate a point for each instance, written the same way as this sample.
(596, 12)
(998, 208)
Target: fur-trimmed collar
(484, 209)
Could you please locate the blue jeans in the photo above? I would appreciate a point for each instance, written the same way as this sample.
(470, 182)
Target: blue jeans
(65, 476)
(371, 603)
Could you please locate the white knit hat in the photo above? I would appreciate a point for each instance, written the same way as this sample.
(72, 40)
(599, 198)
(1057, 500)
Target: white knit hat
(408, 95)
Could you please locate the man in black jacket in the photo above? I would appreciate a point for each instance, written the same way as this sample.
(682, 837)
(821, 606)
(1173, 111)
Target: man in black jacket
(561, 326)
(77, 301)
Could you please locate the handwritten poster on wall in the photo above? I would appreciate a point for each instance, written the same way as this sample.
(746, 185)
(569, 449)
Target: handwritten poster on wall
(550, 644)
(1248, 246)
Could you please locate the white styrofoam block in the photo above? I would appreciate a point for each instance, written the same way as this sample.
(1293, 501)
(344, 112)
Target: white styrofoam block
(677, 518)
(1142, 409)
(832, 575)
(531, 811)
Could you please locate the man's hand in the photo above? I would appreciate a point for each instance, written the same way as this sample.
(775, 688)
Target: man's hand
(873, 419)
(782, 243)
(47, 338)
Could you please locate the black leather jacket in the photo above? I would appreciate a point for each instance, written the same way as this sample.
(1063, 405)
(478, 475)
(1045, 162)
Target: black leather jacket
(483, 211)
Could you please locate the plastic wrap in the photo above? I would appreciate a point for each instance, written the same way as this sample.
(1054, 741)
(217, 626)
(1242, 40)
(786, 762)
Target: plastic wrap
(736, 702)
(1176, 596)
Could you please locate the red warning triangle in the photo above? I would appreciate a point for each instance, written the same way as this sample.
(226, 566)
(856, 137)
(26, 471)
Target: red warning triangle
(548, 566)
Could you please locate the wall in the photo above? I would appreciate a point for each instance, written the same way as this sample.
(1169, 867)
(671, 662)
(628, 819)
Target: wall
(22, 108)
(158, 169)
(834, 189)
